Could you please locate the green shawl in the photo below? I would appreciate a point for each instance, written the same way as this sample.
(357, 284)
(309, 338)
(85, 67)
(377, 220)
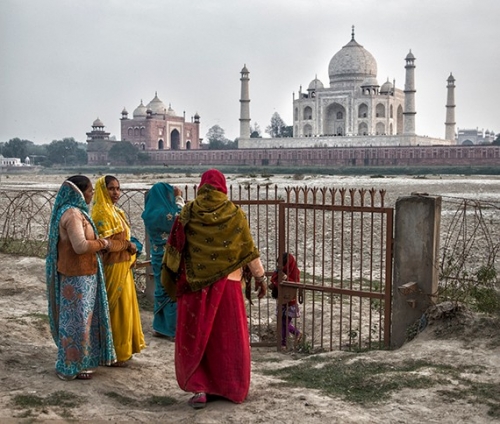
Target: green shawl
(209, 240)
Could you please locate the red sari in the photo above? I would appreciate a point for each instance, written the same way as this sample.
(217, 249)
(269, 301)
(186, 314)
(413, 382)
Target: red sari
(210, 355)
(210, 240)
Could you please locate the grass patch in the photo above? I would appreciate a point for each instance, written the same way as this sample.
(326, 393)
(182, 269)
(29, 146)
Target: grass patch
(123, 400)
(60, 398)
(356, 380)
(160, 401)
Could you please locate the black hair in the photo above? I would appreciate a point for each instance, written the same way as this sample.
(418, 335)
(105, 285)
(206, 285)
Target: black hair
(81, 181)
(285, 258)
(109, 178)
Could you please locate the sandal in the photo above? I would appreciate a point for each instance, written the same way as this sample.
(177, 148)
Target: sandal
(163, 336)
(64, 377)
(198, 401)
(84, 375)
(119, 364)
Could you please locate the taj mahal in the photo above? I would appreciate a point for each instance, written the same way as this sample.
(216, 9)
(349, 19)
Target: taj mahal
(354, 110)
(353, 121)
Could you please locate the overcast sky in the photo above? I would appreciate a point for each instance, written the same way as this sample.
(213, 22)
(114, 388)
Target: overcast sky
(63, 63)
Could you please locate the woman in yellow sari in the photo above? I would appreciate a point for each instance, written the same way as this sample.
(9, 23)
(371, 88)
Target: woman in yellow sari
(112, 224)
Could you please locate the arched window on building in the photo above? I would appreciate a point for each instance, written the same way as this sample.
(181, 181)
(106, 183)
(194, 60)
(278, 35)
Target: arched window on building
(380, 111)
(363, 129)
(160, 144)
(296, 114)
(340, 115)
(307, 130)
(391, 111)
(362, 110)
(307, 113)
(380, 128)
(130, 132)
(143, 146)
(143, 131)
(136, 131)
(188, 145)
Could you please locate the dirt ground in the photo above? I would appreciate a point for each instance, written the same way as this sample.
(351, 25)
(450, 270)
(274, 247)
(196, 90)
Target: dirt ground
(31, 392)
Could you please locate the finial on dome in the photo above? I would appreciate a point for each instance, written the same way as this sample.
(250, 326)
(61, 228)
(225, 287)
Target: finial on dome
(352, 33)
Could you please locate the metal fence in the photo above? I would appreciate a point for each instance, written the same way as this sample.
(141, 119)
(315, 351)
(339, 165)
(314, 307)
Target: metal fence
(342, 240)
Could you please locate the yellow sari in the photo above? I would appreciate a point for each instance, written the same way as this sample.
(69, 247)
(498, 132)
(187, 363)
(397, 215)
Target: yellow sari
(111, 222)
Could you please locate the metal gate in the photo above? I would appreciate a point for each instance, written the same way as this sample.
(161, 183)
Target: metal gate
(342, 241)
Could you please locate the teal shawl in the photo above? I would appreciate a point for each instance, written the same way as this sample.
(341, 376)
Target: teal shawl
(69, 196)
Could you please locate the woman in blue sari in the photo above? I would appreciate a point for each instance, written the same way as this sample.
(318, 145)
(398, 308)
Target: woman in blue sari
(163, 203)
(76, 293)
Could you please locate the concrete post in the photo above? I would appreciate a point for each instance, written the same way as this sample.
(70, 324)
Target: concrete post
(416, 261)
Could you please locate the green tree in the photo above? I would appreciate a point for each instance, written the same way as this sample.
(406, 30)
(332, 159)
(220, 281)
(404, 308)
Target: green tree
(16, 148)
(124, 152)
(217, 139)
(255, 131)
(496, 142)
(66, 152)
(278, 128)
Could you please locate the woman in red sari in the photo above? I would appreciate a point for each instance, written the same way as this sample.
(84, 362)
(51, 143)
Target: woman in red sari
(208, 246)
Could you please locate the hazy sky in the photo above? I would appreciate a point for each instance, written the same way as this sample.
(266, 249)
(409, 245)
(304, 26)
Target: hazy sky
(66, 62)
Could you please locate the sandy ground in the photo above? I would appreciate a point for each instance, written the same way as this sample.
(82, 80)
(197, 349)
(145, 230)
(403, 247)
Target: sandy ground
(138, 393)
(27, 355)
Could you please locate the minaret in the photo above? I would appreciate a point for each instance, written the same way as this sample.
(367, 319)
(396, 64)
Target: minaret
(450, 109)
(409, 112)
(244, 104)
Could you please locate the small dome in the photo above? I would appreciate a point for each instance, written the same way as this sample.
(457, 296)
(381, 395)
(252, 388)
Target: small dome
(244, 70)
(140, 111)
(156, 105)
(315, 84)
(124, 111)
(170, 111)
(386, 87)
(410, 56)
(98, 123)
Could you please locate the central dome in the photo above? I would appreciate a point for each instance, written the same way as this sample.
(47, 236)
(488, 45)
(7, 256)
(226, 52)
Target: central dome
(157, 106)
(352, 62)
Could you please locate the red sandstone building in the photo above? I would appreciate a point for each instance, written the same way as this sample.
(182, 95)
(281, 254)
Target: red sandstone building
(152, 128)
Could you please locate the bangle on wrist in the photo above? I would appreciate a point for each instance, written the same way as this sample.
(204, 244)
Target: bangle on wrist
(261, 279)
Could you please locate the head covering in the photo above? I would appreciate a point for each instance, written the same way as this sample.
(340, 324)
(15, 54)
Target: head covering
(290, 267)
(105, 214)
(160, 211)
(68, 196)
(209, 240)
(215, 178)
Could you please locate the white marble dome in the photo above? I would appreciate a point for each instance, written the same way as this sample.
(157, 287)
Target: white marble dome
(353, 61)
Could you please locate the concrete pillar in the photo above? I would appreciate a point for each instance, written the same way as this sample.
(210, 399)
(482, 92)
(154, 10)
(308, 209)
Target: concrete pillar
(416, 261)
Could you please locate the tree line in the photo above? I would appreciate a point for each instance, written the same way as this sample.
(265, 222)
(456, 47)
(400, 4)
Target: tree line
(69, 152)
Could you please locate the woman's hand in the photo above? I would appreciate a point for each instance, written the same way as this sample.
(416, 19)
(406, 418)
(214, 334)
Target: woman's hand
(177, 191)
(132, 249)
(261, 286)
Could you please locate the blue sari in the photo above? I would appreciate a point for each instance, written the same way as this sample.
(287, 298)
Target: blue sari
(77, 305)
(159, 214)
